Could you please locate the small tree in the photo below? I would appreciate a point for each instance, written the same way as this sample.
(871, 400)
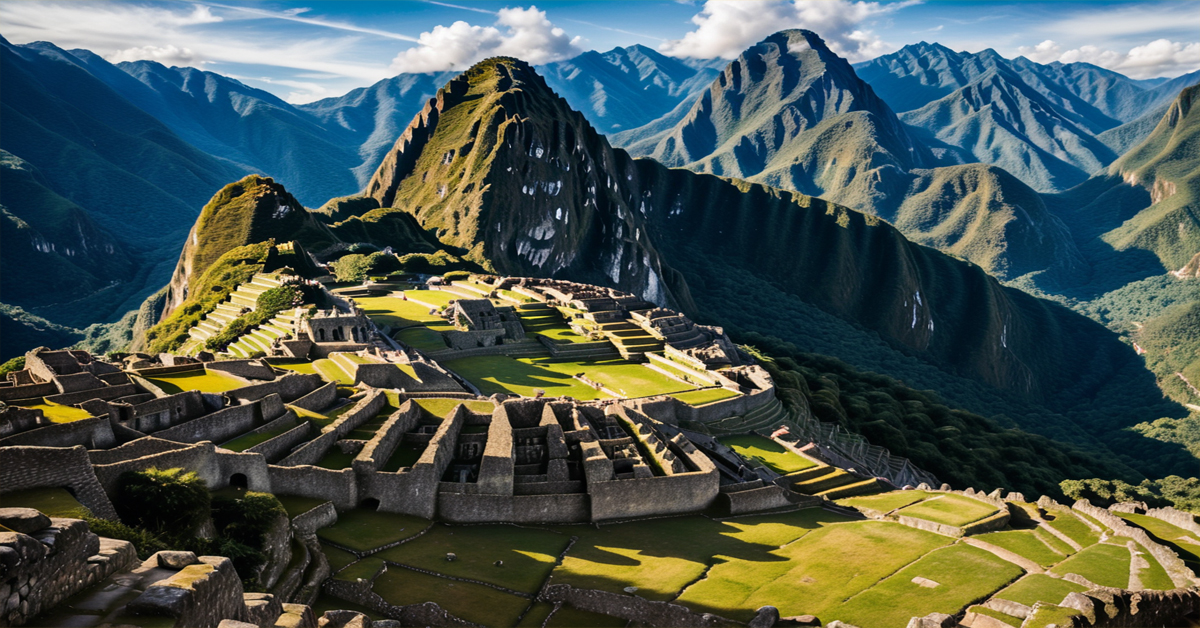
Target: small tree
(171, 502)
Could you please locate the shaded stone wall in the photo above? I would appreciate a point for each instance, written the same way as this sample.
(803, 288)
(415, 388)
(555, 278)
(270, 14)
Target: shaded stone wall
(480, 508)
(93, 433)
(143, 446)
(28, 391)
(108, 392)
(414, 491)
(219, 426)
(377, 450)
(660, 495)
(1106, 607)
(289, 387)
(338, 487)
(51, 467)
(635, 609)
(275, 448)
(319, 399)
(53, 563)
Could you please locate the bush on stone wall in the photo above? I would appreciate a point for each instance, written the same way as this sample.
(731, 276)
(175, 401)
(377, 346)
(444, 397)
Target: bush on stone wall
(1182, 493)
(15, 364)
(168, 502)
(242, 523)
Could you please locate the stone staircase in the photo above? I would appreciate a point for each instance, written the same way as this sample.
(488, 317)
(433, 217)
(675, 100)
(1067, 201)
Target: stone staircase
(766, 417)
(241, 300)
(631, 341)
(831, 482)
(282, 325)
(471, 290)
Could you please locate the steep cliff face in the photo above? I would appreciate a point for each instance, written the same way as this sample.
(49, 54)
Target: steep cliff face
(254, 209)
(498, 166)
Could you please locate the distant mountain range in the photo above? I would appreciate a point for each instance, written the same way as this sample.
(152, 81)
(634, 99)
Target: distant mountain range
(135, 149)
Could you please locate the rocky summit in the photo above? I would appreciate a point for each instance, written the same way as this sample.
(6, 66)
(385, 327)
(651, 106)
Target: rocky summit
(745, 329)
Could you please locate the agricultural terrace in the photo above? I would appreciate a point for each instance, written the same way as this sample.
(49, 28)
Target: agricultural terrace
(768, 452)
(202, 380)
(56, 412)
(812, 561)
(523, 376)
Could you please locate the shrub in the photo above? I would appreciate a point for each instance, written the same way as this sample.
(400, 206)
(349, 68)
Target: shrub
(15, 364)
(144, 543)
(269, 303)
(357, 267)
(456, 275)
(242, 524)
(171, 502)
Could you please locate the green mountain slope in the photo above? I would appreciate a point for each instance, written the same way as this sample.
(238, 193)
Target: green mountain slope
(501, 168)
(1139, 216)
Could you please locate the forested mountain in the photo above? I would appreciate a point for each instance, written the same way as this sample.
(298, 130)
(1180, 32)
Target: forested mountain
(792, 114)
(500, 167)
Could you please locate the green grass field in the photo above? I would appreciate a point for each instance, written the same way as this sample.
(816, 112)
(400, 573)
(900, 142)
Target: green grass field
(338, 558)
(246, 441)
(497, 373)
(813, 574)
(396, 312)
(439, 408)
(366, 569)
(421, 339)
(204, 381)
(704, 396)
(472, 602)
(1154, 576)
(1023, 543)
(296, 505)
(57, 412)
(885, 502)
(768, 452)
(54, 502)
(949, 509)
(1009, 620)
(1071, 527)
(528, 553)
(1174, 536)
(363, 530)
(329, 370)
(1106, 565)
(295, 365)
(963, 573)
(1039, 588)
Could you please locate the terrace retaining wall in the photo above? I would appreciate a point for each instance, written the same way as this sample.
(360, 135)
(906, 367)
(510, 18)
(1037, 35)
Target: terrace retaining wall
(53, 467)
(414, 491)
(93, 433)
(219, 426)
(307, 523)
(1177, 518)
(289, 387)
(243, 369)
(143, 446)
(106, 392)
(482, 508)
(1106, 607)
(660, 495)
(319, 399)
(635, 609)
(1180, 575)
(28, 391)
(277, 447)
(338, 487)
(427, 614)
(215, 468)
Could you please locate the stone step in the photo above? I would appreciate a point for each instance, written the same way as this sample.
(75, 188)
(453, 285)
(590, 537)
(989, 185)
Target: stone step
(865, 487)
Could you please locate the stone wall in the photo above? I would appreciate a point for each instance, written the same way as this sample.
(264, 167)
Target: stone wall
(636, 610)
(219, 426)
(1118, 607)
(496, 466)
(757, 499)
(414, 491)
(319, 399)
(377, 450)
(52, 467)
(660, 495)
(93, 433)
(244, 369)
(143, 446)
(198, 596)
(215, 468)
(107, 392)
(307, 523)
(363, 411)
(1180, 575)
(523, 509)
(289, 387)
(278, 447)
(28, 391)
(54, 559)
(1178, 518)
(310, 453)
(338, 487)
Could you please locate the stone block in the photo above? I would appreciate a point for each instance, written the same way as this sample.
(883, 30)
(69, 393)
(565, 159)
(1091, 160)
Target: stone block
(233, 623)
(176, 560)
(23, 520)
(765, 617)
(162, 601)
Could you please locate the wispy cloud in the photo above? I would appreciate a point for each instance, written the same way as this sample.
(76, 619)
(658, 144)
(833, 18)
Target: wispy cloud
(1161, 57)
(615, 30)
(461, 7)
(292, 16)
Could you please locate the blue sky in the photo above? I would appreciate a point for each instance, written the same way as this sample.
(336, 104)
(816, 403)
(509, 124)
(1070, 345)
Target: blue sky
(303, 51)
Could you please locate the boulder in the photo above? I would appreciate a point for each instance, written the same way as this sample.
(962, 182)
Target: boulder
(161, 601)
(23, 520)
(344, 619)
(176, 560)
(765, 617)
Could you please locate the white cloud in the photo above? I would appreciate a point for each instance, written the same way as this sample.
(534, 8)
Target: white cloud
(166, 55)
(527, 35)
(726, 28)
(1161, 57)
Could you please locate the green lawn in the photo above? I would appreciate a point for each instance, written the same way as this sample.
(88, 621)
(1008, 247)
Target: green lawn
(537, 614)
(434, 297)
(1154, 576)
(517, 296)
(335, 460)
(396, 312)
(1073, 528)
(705, 395)
(1023, 543)
(1106, 565)
(57, 412)
(768, 452)
(362, 530)
(885, 502)
(331, 372)
(473, 602)
(296, 505)
(1015, 622)
(1053, 542)
(497, 373)
(246, 441)
(405, 455)
(950, 509)
(813, 574)
(1053, 615)
(53, 502)
(1169, 534)
(964, 574)
(1039, 588)
(204, 381)
(439, 408)
(295, 365)
(661, 556)
(366, 569)
(422, 339)
(337, 557)
(528, 553)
